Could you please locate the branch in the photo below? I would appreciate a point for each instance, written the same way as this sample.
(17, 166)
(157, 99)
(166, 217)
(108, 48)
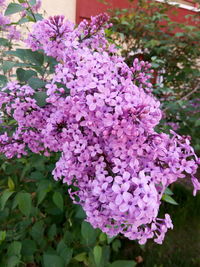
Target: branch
(187, 95)
(190, 93)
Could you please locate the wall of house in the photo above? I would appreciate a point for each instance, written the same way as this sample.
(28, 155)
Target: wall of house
(60, 7)
(87, 8)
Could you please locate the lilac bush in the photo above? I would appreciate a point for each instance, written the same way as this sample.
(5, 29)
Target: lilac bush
(101, 116)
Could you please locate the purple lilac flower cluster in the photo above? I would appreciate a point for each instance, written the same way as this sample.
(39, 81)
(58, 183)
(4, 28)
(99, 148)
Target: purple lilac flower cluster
(99, 115)
(11, 32)
(142, 74)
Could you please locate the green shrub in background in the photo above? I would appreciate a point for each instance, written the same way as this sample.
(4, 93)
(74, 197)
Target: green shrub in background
(173, 49)
(39, 225)
(147, 31)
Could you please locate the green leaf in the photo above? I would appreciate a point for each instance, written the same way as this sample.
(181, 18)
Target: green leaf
(36, 83)
(116, 245)
(7, 65)
(40, 98)
(37, 175)
(32, 2)
(64, 251)
(169, 199)
(52, 231)
(38, 17)
(27, 55)
(3, 81)
(4, 197)
(58, 200)
(25, 75)
(15, 248)
(126, 23)
(37, 231)
(68, 237)
(24, 203)
(123, 264)
(4, 42)
(81, 257)
(22, 21)
(168, 192)
(42, 191)
(51, 62)
(197, 122)
(30, 16)
(88, 233)
(102, 237)
(13, 261)
(14, 203)
(24, 65)
(28, 247)
(11, 184)
(110, 239)
(13, 8)
(179, 34)
(2, 236)
(53, 261)
(97, 251)
(80, 213)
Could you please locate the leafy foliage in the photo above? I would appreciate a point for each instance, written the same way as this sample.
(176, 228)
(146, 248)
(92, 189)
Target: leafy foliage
(39, 223)
(149, 31)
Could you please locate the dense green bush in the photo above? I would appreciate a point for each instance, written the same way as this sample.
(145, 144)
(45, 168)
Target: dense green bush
(39, 224)
(148, 31)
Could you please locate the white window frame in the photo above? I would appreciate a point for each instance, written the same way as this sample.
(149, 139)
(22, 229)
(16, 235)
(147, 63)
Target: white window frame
(184, 6)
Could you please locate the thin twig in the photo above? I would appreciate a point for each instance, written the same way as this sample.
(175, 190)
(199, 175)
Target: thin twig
(185, 97)
(30, 9)
(190, 93)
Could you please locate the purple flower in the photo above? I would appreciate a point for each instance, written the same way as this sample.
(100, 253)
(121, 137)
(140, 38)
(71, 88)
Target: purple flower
(101, 116)
(94, 101)
(119, 165)
(196, 185)
(119, 190)
(128, 203)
